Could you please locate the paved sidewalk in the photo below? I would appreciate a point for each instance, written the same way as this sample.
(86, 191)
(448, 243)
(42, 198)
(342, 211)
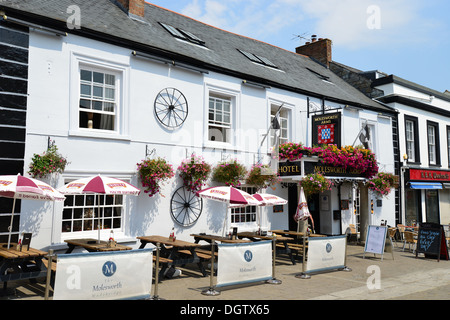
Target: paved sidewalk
(405, 278)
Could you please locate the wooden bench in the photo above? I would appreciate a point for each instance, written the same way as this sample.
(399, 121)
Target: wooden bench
(45, 262)
(161, 259)
(201, 253)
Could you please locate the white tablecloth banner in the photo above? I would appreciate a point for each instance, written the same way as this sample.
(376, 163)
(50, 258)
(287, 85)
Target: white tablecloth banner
(326, 253)
(244, 262)
(104, 275)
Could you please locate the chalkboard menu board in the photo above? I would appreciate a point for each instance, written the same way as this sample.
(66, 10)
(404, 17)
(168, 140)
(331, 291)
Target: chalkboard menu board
(431, 240)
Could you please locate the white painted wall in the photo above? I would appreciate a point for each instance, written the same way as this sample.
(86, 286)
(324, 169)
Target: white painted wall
(52, 111)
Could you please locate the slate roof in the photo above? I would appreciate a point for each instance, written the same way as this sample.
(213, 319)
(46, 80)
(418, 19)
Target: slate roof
(104, 19)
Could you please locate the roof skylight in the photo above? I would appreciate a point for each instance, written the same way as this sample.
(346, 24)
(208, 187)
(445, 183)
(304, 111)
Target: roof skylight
(182, 34)
(258, 59)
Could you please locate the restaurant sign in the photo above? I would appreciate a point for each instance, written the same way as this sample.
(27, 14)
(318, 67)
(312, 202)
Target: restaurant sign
(429, 175)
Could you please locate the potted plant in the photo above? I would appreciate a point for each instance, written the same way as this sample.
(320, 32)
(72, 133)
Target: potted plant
(315, 183)
(152, 172)
(230, 173)
(194, 171)
(261, 176)
(382, 183)
(47, 163)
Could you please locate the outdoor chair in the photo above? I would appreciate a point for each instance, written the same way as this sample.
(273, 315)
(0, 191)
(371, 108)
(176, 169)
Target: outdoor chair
(409, 238)
(392, 232)
(401, 231)
(351, 233)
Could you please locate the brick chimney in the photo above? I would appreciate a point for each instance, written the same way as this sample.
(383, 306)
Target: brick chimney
(317, 49)
(132, 7)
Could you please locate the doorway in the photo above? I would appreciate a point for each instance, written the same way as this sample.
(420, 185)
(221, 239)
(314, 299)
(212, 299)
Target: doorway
(313, 206)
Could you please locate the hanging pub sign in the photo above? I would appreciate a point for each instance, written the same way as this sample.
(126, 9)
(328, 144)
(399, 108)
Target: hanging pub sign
(326, 129)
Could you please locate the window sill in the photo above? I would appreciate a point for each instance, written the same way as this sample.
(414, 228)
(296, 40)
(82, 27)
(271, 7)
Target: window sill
(220, 146)
(98, 135)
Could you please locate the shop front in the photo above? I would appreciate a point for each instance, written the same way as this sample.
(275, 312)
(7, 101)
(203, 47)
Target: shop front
(427, 196)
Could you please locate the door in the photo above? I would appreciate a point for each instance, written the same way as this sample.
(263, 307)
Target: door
(432, 205)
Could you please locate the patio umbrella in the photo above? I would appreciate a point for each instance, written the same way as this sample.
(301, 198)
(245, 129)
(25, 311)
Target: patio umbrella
(99, 185)
(231, 196)
(19, 187)
(303, 213)
(269, 199)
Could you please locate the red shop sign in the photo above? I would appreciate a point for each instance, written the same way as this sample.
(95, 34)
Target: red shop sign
(429, 175)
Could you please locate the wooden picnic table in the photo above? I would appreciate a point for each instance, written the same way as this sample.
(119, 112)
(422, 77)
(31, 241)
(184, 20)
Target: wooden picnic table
(282, 243)
(93, 245)
(18, 264)
(296, 233)
(177, 252)
(209, 237)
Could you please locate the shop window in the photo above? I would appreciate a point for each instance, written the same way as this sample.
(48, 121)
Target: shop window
(245, 214)
(86, 212)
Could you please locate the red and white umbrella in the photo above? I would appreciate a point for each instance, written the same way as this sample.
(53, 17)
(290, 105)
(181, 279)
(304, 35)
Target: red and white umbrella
(269, 199)
(99, 185)
(19, 187)
(229, 195)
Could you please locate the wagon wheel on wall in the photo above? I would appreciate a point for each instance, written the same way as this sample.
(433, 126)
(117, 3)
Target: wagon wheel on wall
(185, 207)
(171, 107)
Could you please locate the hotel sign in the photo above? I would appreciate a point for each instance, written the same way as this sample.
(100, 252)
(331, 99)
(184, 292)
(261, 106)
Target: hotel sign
(330, 171)
(326, 129)
(287, 169)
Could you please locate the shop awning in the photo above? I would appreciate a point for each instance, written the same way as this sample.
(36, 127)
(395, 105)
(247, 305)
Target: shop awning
(425, 185)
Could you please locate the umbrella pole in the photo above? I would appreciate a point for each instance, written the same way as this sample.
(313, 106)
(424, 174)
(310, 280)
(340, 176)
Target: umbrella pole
(11, 224)
(98, 227)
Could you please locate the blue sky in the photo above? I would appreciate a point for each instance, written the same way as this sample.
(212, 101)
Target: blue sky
(407, 38)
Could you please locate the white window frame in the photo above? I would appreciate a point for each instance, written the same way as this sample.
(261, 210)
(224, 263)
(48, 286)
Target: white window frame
(432, 155)
(233, 96)
(410, 143)
(284, 121)
(121, 73)
(249, 213)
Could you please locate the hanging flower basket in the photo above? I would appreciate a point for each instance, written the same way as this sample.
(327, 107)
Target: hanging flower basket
(152, 173)
(261, 176)
(348, 157)
(194, 171)
(382, 184)
(229, 173)
(47, 163)
(315, 183)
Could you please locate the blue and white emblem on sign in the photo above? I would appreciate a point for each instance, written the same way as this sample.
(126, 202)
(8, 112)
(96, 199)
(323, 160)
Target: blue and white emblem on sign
(329, 247)
(248, 256)
(109, 268)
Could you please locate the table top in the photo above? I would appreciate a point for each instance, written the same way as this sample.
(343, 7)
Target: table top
(14, 253)
(93, 245)
(254, 235)
(168, 241)
(295, 233)
(218, 238)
